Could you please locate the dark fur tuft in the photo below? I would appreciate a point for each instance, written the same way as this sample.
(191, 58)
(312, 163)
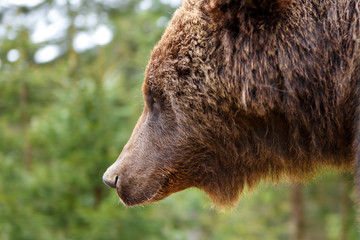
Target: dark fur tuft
(258, 11)
(269, 7)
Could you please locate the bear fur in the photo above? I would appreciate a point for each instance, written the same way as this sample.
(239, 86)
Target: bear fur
(239, 91)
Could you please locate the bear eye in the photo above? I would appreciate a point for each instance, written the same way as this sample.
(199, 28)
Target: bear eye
(154, 108)
(153, 103)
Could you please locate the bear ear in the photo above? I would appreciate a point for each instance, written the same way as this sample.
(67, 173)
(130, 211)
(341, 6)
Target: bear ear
(258, 9)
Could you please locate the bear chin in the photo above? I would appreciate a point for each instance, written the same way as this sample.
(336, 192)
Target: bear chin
(148, 195)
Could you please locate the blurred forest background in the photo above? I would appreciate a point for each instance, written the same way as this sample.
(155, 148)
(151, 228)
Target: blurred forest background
(70, 94)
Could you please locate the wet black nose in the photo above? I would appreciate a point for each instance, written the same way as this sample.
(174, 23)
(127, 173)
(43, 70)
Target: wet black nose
(110, 180)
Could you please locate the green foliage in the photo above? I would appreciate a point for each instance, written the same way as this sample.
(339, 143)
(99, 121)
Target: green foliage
(64, 121)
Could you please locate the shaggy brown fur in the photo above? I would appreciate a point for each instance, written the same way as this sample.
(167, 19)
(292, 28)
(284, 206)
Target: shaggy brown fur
(238, 91)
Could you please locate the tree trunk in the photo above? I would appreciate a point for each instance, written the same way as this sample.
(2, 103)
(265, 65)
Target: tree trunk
(298, 219)
(24, 125)
(98, 194)
(345, 206)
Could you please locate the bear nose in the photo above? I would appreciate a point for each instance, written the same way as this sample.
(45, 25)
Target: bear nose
(110, 180)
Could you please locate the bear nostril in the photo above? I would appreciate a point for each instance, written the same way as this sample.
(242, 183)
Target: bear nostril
(110, 182)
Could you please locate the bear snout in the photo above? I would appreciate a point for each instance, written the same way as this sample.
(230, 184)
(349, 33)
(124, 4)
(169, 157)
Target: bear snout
(110, 179)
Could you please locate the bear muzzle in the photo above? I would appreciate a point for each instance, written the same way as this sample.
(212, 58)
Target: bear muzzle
(133, 187)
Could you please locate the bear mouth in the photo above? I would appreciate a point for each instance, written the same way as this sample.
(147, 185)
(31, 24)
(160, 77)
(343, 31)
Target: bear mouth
(130, 196)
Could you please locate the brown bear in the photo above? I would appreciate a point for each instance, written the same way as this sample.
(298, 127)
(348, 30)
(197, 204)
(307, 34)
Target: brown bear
(238, 91)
